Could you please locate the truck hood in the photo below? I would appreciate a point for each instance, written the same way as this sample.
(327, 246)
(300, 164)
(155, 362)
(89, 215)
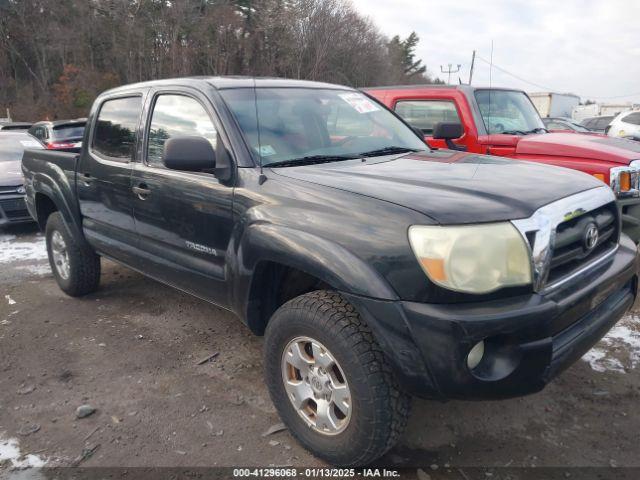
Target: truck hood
(450, 187)
(10, 174)
(593, 147)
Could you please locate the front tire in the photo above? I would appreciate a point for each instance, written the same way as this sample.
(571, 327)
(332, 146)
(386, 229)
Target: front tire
(330, 381)
(75, 266)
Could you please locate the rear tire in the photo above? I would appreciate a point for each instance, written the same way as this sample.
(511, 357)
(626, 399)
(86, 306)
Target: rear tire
(324, 330)
(75, 265)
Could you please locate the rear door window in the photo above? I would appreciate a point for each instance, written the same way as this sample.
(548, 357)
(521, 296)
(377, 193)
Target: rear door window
(115, 129)
(425, 114)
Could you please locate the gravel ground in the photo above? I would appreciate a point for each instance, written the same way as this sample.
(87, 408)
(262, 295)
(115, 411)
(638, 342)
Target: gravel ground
(131, 351)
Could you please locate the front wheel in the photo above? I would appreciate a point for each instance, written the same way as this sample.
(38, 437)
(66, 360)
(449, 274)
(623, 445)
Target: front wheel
(75, 266)
(330, 381)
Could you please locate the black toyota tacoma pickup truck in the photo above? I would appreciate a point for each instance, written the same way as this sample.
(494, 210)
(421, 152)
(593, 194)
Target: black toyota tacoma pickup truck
(375, 267)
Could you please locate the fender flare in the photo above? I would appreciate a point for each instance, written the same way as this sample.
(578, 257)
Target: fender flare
(46, 185)
(331, 263)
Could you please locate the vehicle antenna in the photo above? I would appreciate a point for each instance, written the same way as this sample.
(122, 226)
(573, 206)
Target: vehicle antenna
(255, 103)
(490, 87)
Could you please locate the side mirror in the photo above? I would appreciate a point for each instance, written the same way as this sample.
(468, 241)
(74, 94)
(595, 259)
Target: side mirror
(189, 154)
(447, 131)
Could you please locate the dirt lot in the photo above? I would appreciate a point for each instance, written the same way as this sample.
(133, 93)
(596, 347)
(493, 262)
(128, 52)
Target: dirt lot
(131, 351)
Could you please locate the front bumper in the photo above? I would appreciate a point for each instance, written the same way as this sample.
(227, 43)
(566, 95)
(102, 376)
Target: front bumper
(528, 339)
(13, 209)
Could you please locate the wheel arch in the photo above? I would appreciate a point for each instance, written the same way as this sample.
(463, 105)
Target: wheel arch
(49, 198)
(277, 263)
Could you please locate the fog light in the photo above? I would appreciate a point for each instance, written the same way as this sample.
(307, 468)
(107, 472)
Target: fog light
(475, 355)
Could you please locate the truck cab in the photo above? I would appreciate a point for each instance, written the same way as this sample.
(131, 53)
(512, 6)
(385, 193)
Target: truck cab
(504, 122)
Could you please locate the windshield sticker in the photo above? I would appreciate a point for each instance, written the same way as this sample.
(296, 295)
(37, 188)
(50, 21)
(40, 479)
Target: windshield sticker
(359, 102)
(266, 151)
(29, 143)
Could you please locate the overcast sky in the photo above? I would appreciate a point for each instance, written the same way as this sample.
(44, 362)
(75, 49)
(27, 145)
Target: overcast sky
(588, 47)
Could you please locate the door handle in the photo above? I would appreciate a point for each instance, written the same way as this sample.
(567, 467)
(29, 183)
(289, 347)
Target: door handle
(142, 191)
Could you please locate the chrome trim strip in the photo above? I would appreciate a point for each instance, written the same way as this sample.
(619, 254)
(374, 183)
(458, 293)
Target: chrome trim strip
(543, 224)
(592, 264)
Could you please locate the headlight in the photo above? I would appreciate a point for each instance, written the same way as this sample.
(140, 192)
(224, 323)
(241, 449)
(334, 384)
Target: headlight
(472, 258)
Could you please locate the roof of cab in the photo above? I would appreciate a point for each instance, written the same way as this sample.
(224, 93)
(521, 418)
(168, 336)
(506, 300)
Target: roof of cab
(228, 82)
(464, 88)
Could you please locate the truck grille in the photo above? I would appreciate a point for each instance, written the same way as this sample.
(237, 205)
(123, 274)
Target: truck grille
(14, 208)
(570, 248)
(570, 236)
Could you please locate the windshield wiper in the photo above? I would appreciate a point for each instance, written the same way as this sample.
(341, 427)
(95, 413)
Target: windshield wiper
(311, 160)
(388, 151)
(528, 132)
(513, 132)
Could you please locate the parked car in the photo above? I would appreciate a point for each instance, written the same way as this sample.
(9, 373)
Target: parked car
(14, 126)
(13, 208)
(504, 122)
(564, 124)
(626, 125)
(65, 135)
(376, 267)
(598, 124)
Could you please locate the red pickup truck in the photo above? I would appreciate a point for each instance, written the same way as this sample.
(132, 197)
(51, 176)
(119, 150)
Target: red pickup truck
(504, 122)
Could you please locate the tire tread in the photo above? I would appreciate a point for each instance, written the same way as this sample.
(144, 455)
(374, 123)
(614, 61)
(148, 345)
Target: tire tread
(391, 407)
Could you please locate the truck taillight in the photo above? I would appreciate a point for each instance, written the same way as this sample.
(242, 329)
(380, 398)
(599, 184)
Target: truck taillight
(58, 145)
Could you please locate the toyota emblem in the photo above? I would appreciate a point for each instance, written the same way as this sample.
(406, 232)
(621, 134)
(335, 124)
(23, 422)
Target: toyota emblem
(591, 237)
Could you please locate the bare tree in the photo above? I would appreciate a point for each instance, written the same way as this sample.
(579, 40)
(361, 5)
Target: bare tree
(55, 57)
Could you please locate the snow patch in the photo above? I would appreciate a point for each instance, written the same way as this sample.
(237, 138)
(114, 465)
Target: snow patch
(12, 249)
(10, 300)
(623, 340)
(39, 270)
(10, 450)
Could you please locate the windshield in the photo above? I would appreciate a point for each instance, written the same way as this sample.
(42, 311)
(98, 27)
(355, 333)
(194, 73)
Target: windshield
(505, 111)
(297, 124)
(75, 130)
(12, 147)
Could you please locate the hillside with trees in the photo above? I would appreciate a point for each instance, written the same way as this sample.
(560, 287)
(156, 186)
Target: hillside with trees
(56, 56)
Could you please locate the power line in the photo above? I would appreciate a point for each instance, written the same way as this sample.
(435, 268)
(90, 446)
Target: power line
(549, 88)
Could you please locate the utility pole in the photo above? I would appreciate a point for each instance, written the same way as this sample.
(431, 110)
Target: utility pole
(473, 62)
(449, 71)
